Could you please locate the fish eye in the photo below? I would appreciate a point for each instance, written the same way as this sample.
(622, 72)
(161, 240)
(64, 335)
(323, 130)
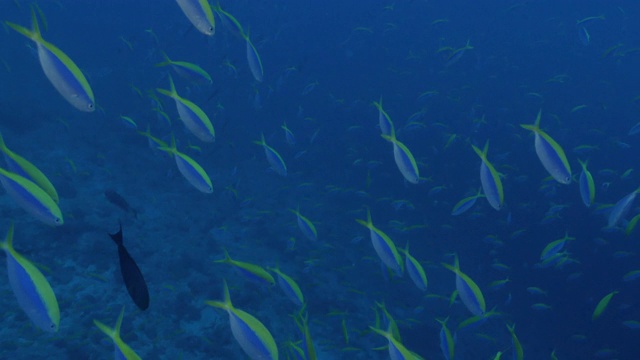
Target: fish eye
(90, 106)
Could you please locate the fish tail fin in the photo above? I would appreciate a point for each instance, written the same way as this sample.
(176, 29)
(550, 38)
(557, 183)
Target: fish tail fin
(226, 260)
(536, 124)
(35, 28)
(3, 146)
(7, 244)
(105, 329)
(119, 324)
(172, 86)
(405, 250)
(485, 149)
(582, 163)
(117, 237)
(260, 142)
(114, 333)
(227, 296)
(479, 152)
(22, 30)
(226, 303)
(166, 61)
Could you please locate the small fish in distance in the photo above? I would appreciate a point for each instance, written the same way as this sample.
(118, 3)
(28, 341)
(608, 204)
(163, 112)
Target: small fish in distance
(131, 274)
(117, 200)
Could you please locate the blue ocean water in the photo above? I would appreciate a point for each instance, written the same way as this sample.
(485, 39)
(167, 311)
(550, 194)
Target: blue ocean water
(325, 63)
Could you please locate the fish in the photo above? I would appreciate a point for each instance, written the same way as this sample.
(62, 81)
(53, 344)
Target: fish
(397, 351)
(199, 14)
(306, 226)
(415, 270)
(229, 21)
(587, 186)
(465, 204)
(32, 290)
(31, 198)
(490, 179)
(602, 305)
(129, 122)
(190, 169)
(404, 159)
(289, 287)
(253, 58)
(187, 70)
(635, 130)
(384, 120)
(122, 350)
(447, 341)
(468, 290)
(518, 351)
(621, 209)
(288, 135)
(61, 71)
(383, 245)
(248, 270)
(117, 200)
(131, 274)
(191, 115)
(275, 160)
(550, 153)
(632, 224)
(21, 166)
(302, 322)
(554, 247)
(252, 336)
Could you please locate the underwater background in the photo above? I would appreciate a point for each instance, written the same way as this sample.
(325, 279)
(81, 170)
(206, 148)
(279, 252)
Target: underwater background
(449, 74)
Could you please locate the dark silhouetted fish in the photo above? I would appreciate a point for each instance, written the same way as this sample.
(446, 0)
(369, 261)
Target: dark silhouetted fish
(133, 279)
(117, 200)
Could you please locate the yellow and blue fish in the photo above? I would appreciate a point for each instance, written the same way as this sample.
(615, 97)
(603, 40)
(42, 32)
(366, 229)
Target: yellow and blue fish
(397, 351)
(490, 179)
(415, 270)
(306, 226)
(465, 204)
(384, 120)
(275, 160)
(253, 58)
(122, 350)
(190, 169)
(404, 159)
(32, 290)
(518, 351)
(191, 115)
(31, 198)
(200, 14)
(289, 287)
(229, 21)
(21, 166)
(187, 70)
(468, 290)
(587, 185)
(621, 209)
(252, 336)
(384, 246)
(550, 153)
(61, 71)
(447, 340)
(248, 270)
